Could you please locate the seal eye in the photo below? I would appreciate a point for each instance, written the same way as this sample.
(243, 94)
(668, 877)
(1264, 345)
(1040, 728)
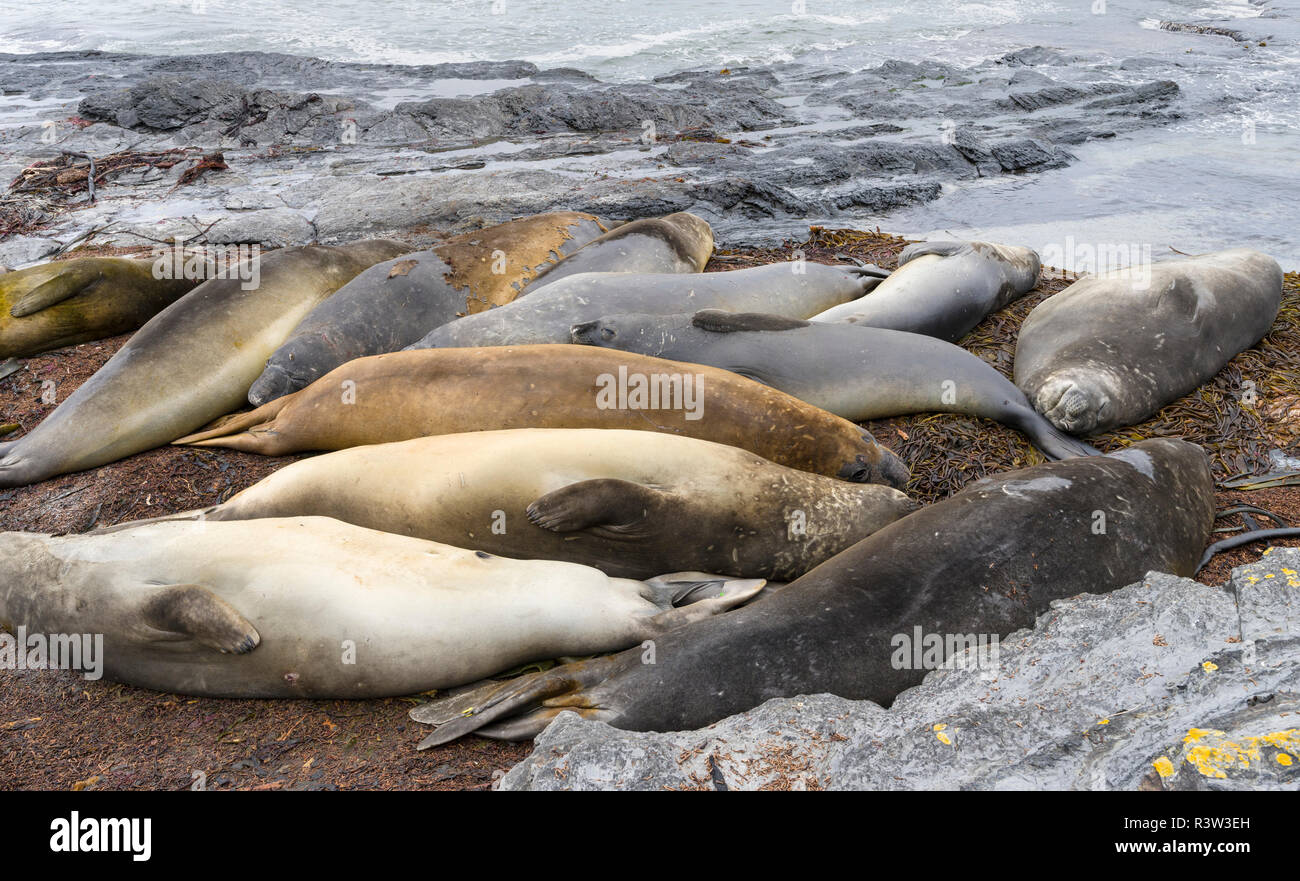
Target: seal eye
(607, 333)
(483, 555)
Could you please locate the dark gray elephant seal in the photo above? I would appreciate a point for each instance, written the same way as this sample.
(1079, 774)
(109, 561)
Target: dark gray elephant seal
(678, 243)
(853, 371)
(1112, 349)
(987, 561)
(394, 303)
(795, 290)
(943, 289)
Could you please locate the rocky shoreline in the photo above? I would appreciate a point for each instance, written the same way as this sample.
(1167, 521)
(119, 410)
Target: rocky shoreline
(330, 151)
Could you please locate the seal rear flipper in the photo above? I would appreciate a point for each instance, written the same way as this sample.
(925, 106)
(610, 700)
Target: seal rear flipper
(516, 700)
(197, 612)
(1050, 440)
(223, 430)
(718, 321)
(938, 249)
(64, 286)
(608, 506)
(730, 593)
(196, 514)
(683, 588)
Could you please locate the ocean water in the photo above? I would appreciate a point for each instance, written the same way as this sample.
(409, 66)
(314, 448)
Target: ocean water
(1225, 176)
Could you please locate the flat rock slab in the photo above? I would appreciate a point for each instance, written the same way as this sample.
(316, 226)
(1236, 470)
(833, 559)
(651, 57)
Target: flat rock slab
(1164, 684)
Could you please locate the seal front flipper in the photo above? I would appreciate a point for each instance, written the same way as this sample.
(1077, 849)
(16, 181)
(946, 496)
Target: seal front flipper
(606, 506)
(200, 614)
(64, 286)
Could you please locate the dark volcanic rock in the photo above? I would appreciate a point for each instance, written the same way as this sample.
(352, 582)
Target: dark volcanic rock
(219, 108)
(333, 150)
(546, 109)
(1210, 30)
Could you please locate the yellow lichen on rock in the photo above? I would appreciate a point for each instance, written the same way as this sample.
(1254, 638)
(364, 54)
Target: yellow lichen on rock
(1213, 754)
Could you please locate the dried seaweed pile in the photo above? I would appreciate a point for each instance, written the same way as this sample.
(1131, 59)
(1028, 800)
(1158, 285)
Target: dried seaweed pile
(41, 189)
(1250, 408)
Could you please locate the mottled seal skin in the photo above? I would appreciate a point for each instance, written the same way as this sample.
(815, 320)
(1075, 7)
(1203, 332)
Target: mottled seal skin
(678, 243)
(313, 608)
(1112, 349)
(75, 301)
(794, 290)
(633, 504)
(394, 303)
(854, 371)
(403, 395)
(191, 363)
(943, 289)
(985, 561)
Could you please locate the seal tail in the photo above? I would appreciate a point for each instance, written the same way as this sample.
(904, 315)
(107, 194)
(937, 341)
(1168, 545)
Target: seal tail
(1050, 440)
(237, 432)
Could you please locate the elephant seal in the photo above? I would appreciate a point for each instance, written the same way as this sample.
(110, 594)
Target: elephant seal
(795, 290)
(1112, 349)
(986, 561)
(678, 242)
(943, 289)
(404, 395)
(75, 301)
(853, 371)
(394, 303)
(621, 501)
(312, 608)
(191, 363)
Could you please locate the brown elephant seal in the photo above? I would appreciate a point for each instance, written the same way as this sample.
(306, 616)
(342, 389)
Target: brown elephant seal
(394, 303)
(192, 362)
(75, 301)
(986, 561)
(404, 395)
(313, 608)
(677, 243)
(622, 501)
(796, 289)
(1112, 349)
(854, 371)
(943, 289)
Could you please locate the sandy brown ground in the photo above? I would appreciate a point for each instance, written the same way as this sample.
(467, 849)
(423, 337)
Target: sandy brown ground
(58, 731)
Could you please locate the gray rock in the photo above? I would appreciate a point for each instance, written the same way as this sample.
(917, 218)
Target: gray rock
(18, 250)
(1165, 684)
